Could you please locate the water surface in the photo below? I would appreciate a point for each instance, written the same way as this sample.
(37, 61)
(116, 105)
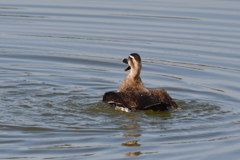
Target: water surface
(57, 59)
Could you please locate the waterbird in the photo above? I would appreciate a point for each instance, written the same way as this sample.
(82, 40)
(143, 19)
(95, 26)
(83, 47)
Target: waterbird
(132, 95)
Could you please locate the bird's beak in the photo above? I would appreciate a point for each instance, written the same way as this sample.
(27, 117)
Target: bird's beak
(124, 60)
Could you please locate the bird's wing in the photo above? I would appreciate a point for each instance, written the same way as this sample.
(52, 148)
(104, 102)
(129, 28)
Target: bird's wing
(164, 97)
(114, 98)
(157, 107)
(157, 100)
(133, 100)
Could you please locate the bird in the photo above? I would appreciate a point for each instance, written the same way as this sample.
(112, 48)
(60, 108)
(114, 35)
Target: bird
(132, 95)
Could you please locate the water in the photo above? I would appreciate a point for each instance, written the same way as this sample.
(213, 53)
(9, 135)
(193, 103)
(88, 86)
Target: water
(58, 58)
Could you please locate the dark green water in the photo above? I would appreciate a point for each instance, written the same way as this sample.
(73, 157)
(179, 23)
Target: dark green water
(57, 59)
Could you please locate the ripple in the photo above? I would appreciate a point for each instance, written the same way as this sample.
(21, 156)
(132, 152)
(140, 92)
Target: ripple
(57, 60)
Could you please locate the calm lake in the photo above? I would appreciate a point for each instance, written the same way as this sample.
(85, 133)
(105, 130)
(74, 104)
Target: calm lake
(58, 58)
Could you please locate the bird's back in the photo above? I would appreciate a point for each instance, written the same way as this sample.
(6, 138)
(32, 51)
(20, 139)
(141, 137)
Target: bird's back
(155, 100)
(164, 97)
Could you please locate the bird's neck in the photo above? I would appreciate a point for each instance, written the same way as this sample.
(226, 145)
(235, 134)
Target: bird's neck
(134, 73)
(132, 83)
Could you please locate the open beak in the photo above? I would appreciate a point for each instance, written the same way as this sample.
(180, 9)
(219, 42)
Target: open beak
(124, 60)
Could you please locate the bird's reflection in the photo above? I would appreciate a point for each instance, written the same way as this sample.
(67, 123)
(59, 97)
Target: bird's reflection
(131, 135)
(132, 154)
(133, 131)
(133, 143)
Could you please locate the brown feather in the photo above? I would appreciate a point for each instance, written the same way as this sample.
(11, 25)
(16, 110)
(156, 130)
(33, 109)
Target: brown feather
(132, 93)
